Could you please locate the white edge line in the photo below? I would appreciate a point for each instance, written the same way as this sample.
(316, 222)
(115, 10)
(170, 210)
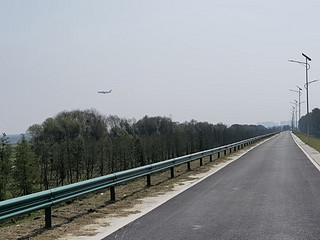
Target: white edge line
(172, 194)
(305, 152)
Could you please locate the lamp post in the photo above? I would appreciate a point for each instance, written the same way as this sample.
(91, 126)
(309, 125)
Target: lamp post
(292, 120)
(295, 108)
(299, 92)
(307, 65)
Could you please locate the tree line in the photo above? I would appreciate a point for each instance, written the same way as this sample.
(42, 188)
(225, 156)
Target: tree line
(79, 145)
(314, 123)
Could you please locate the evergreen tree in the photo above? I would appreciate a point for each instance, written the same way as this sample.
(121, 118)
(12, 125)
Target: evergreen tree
(26, 171)
(5, 164)
(314, 123)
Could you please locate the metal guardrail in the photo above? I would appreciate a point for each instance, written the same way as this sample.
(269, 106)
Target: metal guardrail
(46, 199)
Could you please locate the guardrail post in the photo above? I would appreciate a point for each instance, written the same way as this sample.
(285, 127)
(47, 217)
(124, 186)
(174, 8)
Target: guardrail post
(48, 217)
(218, 154)
(210, 158)
(148, 180)
(235, 149)
(230, 150)
(189, 167)
(172, 172)
(201, 163)
(225, 152)
(112, 194)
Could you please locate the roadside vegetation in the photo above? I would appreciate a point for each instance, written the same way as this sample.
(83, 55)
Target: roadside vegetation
(78, 145)
(73, 217)
(314, 141)
(314, 123)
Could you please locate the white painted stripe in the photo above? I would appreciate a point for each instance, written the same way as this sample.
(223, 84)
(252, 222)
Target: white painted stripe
(300, 145)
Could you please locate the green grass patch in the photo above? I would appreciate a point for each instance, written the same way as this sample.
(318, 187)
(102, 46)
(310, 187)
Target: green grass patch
(314, 142)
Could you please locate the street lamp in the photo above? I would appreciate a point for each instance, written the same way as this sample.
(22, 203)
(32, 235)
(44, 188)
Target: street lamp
(292, 120)
(299, 92)
(311, 82)
(308, 84)
(307, 65)
(296, 103)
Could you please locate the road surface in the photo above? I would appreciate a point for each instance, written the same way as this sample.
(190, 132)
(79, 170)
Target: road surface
(272, 192)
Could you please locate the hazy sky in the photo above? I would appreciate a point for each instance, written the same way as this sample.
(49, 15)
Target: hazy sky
(209, 60)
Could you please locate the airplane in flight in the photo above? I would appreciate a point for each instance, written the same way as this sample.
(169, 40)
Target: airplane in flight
(104, 92)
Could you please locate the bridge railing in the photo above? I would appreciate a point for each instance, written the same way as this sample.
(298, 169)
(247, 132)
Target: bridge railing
(46, 199)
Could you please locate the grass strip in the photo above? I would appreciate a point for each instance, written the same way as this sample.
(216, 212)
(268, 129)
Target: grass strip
(314, 141)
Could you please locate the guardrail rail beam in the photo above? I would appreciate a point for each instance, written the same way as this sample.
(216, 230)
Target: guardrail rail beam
(46, 199)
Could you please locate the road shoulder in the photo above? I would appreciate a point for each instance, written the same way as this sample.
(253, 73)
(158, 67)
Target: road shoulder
(311, 153)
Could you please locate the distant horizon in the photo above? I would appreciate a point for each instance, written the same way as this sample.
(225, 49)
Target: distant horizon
(263, 123)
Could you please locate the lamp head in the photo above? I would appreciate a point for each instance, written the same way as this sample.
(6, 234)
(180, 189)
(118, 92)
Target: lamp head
(306, 56)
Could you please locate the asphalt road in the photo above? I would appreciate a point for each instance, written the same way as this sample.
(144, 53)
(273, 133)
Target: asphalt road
(272, 192)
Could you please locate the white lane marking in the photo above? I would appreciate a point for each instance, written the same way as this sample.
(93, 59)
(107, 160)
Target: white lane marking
(300, 143)
(151, 203)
